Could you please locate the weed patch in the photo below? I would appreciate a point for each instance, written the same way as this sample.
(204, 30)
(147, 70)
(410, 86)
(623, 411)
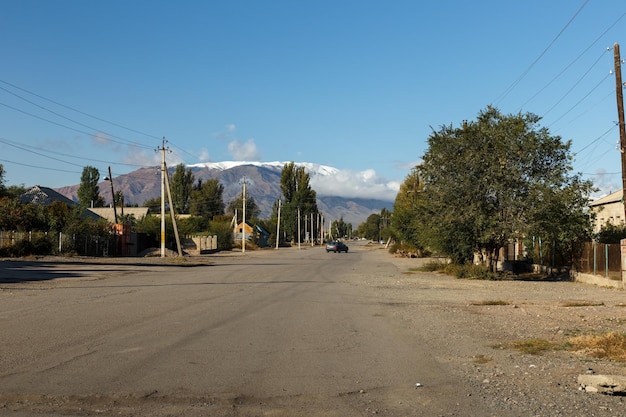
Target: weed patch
(608, 346)
(492, 303)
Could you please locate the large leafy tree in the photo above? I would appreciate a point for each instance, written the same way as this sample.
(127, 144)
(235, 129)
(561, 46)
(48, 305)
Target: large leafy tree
(88, 190)
(207, 199)
(495, 179)
(299, 198)
(182, 187)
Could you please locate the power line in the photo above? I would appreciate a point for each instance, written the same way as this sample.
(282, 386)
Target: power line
(523, 75)
(574, 61)
(67, 118)
(39, 167)
(81, 112)
(581, 100)
(71, 128)
(575, 85)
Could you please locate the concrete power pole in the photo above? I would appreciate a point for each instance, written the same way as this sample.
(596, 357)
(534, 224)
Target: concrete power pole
(162, 149)
(243, 228)
(620, 115)
(278, 224)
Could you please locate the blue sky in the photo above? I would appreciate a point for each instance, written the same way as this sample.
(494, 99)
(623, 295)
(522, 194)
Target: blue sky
(356, 85)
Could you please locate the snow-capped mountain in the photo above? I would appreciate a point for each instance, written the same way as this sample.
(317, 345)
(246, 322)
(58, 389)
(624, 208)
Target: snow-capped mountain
(353, 196)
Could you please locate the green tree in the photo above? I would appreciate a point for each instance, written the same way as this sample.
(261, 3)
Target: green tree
(498, 178)
(340, 229)
(300, 200)
(182, 187)
(370, 228)
(88, 190)
(2, 180)
(207, 199)
(407, 214)
(236, 205)
(154, 204)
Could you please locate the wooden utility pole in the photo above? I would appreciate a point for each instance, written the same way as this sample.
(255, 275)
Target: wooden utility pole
(112, 194)
(620, 116)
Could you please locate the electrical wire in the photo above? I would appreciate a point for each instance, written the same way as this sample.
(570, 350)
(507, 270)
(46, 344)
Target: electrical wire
(527, 70)
(573, 62)
(581, 100)
(81, 112)
(69, 119)
(575, 85)
(71, 128)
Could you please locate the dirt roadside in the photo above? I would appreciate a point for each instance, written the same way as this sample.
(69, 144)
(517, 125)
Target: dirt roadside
(482, 317)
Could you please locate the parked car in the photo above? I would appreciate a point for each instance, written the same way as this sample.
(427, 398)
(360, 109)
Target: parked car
(336, 246)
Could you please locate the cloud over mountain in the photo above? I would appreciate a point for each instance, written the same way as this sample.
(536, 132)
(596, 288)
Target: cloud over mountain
(330, 181)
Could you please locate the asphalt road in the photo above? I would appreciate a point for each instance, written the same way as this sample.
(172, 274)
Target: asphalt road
(275, 332)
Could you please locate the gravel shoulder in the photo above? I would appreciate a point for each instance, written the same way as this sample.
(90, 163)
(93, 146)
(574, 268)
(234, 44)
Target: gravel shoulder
(462, 322)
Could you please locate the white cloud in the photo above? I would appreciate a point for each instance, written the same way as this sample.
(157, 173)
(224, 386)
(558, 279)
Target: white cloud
(243, 151)
(605, 183)
(362, 184)
(204, 155)
(142, 157)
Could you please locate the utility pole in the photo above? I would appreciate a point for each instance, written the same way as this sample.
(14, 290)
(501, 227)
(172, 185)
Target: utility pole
(162, 149)
(299, 227)
(620, 116)
(112, 194)
(172, 213)
(243, 228)
(278, 224)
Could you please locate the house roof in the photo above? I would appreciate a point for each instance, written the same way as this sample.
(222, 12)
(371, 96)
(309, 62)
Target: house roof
(109, 214)
(616, 197)
(44, 196)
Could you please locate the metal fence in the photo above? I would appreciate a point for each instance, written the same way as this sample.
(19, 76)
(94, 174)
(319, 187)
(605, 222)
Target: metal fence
(586, 257)
(600, 259)
(77, 244)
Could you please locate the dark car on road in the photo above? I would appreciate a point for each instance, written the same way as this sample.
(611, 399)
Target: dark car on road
(336, 246)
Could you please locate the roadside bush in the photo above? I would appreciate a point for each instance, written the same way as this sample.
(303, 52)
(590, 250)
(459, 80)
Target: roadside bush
(462, 271)
(224, 234)
(25, 247)
(471, 271)
(407, 250)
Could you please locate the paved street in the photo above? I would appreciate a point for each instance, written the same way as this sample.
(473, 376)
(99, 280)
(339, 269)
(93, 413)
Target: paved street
(286, 332)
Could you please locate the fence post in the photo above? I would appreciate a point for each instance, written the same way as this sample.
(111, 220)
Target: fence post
(623, 259)
(606, 260)
(595, 258)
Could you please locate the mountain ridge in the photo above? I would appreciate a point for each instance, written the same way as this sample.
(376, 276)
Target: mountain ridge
(262, 184)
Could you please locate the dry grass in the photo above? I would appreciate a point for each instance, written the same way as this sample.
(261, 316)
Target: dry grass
(491, 303)
(608, 346)
(534, 346)
(581, 304)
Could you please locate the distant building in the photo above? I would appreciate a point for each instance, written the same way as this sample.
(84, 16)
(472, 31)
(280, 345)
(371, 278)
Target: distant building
(251, 231)
(107, 212)
(44, 196)
(609, 209)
